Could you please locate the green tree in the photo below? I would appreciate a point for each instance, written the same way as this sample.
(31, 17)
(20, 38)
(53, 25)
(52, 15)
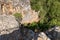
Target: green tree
(49, 12)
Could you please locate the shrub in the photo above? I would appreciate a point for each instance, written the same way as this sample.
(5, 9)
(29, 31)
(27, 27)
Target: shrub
(18, 17)
(49, 12)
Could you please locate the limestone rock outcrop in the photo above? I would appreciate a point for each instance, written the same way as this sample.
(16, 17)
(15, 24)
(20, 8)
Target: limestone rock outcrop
(13, 6)
(10, 7)
(8, 24)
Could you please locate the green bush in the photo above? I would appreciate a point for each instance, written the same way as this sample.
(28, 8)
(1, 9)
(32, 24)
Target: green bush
(49, 12)
(18, 17)
(32, 26)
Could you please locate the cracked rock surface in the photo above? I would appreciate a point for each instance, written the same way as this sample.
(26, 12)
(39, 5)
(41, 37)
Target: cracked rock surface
(7, 24)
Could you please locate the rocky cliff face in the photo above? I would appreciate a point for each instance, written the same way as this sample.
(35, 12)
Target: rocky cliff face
(13, 6)
(10, 7)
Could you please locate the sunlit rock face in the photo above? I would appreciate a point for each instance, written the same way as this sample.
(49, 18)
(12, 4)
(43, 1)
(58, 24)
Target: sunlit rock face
(10, 7)
(30, 16)
(8, 24)
(13, 6)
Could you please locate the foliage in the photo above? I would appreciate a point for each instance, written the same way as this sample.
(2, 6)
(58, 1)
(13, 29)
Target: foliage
(32, 26)
(18, 17)
(49, 13)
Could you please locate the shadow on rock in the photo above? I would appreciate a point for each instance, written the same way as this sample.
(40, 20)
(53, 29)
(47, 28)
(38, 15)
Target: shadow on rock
(54, 33)
(19, 34)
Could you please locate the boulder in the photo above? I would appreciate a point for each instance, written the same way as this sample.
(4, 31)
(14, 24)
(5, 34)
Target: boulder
(54, 33)
(43, 36)
(8, 24)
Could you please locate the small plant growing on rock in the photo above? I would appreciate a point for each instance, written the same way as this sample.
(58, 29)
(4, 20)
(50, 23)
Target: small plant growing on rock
(18, 17)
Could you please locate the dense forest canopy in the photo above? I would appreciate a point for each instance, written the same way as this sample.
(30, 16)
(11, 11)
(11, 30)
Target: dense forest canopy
(49, 13)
